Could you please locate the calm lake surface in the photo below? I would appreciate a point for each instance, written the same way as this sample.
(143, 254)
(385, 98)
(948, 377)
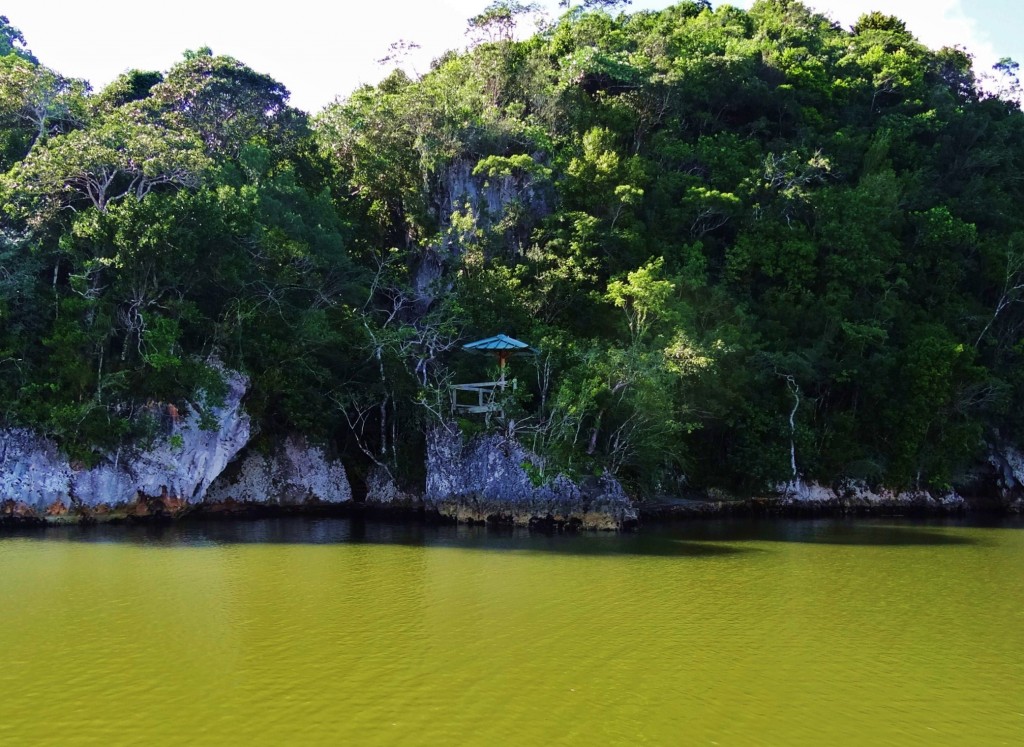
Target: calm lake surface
(339, 631)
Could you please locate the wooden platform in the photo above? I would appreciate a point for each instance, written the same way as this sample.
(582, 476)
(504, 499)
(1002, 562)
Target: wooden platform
(485, 392)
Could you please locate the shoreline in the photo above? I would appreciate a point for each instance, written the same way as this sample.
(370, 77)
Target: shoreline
(651, 514)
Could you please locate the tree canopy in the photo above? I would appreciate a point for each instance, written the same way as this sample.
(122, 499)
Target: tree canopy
(749, 244)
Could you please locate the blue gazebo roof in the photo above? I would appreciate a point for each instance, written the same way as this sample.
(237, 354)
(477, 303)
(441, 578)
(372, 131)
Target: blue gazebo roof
(500, 343)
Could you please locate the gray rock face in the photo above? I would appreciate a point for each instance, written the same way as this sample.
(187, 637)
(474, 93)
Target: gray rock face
(384, 492)
(179, 467)
(487, 199)
(32, 470)
(489, 479)
(294, 473)
(1008, 464)
(853, 494)
(488, 196)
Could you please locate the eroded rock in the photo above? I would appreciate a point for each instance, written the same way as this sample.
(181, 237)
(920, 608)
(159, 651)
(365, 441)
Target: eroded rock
(852, 494)
(1008, 464)
(383, 491)
(175, 471)
(293, 473)
(495, 479)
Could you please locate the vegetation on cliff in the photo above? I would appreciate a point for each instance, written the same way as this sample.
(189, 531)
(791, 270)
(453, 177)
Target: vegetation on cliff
(750, 244)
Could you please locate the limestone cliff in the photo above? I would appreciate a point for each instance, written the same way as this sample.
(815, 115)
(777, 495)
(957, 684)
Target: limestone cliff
(292, 473)
(495, 479)
(383, 491)
(182, 468)
(486, 200)
(1007, 464)
(36, 479)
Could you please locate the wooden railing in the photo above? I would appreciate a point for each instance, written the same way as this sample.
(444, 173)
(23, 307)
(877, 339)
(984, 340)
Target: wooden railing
(485, 395)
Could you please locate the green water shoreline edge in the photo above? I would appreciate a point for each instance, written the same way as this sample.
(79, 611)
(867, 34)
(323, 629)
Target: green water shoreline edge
(650, 515)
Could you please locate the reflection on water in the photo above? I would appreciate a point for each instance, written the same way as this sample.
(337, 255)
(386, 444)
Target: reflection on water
(351, 531)
(328, 631)
(653, 540)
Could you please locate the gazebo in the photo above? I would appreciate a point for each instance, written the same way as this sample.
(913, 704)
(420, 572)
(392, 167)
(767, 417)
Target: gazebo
(502, 347)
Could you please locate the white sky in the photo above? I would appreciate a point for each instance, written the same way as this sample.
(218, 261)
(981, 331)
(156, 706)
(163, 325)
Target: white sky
(320, 49)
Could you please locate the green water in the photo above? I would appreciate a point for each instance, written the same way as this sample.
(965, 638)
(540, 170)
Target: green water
(344, 632)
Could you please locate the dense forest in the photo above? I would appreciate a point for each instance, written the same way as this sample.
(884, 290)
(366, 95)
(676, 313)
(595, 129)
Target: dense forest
(750, 245)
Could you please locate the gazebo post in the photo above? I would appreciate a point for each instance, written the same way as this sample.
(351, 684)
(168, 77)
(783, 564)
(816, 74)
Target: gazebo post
(502, 360)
